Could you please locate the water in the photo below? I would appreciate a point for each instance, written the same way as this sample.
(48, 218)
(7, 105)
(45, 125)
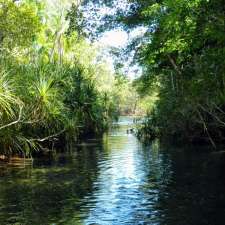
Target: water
(113, 181)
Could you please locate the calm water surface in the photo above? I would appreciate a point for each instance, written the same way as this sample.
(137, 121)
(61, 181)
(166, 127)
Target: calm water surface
(113, 181)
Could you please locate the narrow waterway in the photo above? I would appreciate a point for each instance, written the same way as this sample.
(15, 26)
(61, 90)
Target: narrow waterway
(116, 180)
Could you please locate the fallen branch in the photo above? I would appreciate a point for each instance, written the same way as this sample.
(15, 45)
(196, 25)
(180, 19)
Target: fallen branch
(14, 122)
(218, 108)
(48, 137)
(206, 129)
(216, 117)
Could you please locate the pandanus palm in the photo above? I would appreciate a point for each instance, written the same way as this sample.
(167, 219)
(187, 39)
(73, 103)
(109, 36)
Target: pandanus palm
(8, 100)
(10, 116)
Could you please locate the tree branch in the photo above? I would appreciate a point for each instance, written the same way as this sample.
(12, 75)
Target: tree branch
(206, 129)
(174, 65)
(216, 117)
(48, 137)
(14, 122)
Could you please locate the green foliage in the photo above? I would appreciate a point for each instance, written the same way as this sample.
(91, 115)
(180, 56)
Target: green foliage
(185, 55)
(19, 24)
(125, 95)
(182, 54)
(52, 87)
(8, 100)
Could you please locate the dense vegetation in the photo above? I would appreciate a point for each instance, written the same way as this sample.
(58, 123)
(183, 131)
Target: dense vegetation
(183, 55)
(54, 84)
(184, 60)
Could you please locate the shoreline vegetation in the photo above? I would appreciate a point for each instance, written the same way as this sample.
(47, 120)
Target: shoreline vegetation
(182, 54)
(56, 86)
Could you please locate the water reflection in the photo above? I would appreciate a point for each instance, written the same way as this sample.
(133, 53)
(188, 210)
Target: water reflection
(115, 181)
(49, 193)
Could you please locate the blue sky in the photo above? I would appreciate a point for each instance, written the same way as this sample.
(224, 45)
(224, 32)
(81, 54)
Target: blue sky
(119, 39)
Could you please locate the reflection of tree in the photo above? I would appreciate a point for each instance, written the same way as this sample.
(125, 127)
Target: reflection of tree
(50, 194)
(145, 183)
(193, 195)
(115, 143)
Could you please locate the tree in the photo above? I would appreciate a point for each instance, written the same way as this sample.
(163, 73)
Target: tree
(19, 24)
(182, 55)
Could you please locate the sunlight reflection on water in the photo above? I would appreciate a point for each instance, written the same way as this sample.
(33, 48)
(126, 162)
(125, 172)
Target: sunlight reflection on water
(115, 181)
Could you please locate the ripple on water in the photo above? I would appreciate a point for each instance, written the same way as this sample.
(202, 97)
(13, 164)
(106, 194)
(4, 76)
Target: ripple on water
(116, 181)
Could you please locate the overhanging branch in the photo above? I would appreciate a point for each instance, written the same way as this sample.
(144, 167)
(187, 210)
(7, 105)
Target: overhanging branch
(14, 122)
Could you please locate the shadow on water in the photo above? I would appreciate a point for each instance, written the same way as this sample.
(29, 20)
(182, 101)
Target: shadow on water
(51, 192)
(116, 180)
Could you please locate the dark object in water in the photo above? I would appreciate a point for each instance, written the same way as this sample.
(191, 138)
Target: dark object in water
(130, 131)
